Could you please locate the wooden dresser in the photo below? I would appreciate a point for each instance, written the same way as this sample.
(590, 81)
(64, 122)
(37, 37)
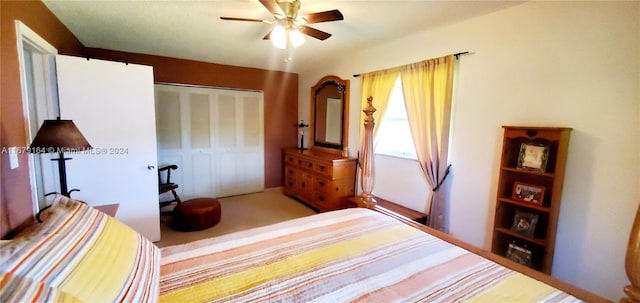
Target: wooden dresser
(324, 181)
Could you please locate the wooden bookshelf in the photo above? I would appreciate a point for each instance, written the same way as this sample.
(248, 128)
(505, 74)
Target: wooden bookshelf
(529, 193)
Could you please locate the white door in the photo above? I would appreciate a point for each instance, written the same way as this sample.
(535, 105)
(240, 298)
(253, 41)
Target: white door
(113, 106)
(240, 142)
(185, 132)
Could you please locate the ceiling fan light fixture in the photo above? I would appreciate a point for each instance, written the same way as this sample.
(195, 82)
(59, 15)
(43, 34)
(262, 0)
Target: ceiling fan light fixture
(290, 28)
(279, 37)
(296, 37)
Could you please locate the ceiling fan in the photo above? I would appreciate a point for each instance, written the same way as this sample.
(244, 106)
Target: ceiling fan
(290, 26)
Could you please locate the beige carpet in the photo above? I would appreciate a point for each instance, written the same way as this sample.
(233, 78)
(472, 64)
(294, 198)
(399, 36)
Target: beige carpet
(239, 213)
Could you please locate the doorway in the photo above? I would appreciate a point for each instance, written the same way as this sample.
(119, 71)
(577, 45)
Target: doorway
(40, 102)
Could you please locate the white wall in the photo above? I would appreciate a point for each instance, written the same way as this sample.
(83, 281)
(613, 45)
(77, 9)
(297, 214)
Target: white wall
(570, 64)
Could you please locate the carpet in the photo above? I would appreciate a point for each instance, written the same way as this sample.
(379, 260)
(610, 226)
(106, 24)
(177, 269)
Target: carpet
(239, 213)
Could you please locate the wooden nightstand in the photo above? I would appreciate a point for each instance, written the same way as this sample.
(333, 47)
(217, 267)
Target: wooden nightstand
(109, 209)
(403, 211)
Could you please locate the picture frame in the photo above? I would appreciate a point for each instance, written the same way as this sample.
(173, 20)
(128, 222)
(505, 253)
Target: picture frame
(519, 254)
(533, 156)
(528, 193)
(524, 223)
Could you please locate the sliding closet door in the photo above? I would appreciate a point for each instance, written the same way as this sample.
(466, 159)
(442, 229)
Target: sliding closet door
(215, 136)
(240, 138)
(185, 138)
(113, 106)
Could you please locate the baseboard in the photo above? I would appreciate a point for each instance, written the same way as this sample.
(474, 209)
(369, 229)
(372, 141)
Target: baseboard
(272, 189)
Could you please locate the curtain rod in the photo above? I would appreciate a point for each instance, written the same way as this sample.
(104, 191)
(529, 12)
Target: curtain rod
(457, 55)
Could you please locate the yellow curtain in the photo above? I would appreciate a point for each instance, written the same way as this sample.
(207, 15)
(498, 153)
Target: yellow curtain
(378, 85)
(428, 87)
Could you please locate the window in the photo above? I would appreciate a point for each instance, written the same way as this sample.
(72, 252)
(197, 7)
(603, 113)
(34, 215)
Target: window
(394, 136)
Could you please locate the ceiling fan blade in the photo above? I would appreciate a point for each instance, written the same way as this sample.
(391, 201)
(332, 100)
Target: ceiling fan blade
(332, 15)
(316, 33)
(267, 36)
(241, 19)
(272, 6)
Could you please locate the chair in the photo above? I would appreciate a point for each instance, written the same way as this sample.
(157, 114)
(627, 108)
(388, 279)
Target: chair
(165, 185)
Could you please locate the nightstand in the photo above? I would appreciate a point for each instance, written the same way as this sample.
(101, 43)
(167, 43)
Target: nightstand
(109, 209)
(403, 211)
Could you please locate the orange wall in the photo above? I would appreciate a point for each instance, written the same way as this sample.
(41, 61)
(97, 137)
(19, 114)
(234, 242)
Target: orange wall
(280, 95)
(15, 192)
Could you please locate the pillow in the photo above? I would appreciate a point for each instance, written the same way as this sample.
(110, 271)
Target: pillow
(87, 254)
(60, 209)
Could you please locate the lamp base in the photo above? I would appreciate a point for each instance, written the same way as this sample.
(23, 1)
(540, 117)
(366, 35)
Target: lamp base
(62, 171)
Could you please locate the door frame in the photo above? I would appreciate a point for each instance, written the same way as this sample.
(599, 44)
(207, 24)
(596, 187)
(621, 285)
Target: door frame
(48, 100)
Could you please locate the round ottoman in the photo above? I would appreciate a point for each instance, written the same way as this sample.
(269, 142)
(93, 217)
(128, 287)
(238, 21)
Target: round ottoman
(196, 214)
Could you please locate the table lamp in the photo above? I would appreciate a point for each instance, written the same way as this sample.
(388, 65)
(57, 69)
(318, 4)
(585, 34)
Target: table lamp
(59, 136)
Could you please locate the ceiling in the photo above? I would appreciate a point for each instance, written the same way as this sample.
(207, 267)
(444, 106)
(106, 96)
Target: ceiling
(193, 29)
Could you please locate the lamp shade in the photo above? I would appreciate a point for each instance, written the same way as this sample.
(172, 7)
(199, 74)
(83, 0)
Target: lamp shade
(279, 37)
(296, 37)
(58, 136)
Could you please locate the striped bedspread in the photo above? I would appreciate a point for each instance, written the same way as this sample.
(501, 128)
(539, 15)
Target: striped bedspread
(78, 254)
(352, 255)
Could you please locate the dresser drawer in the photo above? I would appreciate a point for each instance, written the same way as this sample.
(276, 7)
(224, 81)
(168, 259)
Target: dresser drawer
(323, 200)
(305, 182)
(306, 164)
(334, 188)
(324, 168)
(290, 184)
(290, 172)
(290, 159)
(299, 162)
(325, 185)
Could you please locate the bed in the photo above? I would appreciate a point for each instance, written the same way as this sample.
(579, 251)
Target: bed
(79, 254)
(352, 255)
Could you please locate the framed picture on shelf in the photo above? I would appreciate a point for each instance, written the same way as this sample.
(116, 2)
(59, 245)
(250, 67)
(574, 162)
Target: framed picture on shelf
(533, 156)
(528, 193)
(524, 223)
(519, 254)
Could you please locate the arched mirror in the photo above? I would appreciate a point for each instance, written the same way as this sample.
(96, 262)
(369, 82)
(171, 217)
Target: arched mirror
(329, 114)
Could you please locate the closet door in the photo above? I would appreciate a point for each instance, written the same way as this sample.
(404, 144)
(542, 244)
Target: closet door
(240, 141)
(215, 136)
(185, 138)
(112, 105)
(201, 143)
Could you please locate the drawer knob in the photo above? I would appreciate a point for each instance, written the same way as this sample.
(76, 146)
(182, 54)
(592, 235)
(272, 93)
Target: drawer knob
(321, 198)
(321, 168)
(321, 183)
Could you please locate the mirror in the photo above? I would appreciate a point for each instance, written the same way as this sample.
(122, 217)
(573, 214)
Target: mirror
(329, 113)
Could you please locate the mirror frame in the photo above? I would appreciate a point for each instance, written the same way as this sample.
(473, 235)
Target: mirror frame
(343, 86)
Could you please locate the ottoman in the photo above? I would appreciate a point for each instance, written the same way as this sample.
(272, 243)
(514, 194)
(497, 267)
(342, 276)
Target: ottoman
(196, 214)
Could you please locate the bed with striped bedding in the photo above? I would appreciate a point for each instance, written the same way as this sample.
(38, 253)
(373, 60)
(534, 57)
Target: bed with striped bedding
(352, 255)
(78, 254)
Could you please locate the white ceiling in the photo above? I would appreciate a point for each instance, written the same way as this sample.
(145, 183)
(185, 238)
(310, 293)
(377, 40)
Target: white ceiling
(193, 29)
